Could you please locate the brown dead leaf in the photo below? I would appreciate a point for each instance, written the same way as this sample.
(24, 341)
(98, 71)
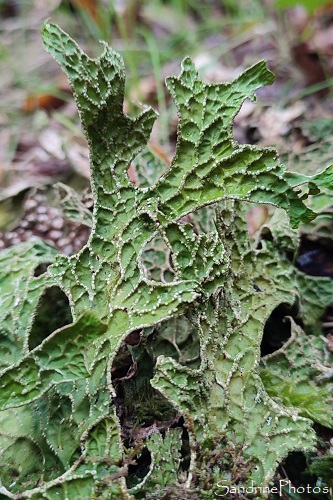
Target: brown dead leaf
(159, 152)
(41, 101)
(131, 172)
(48, 100)
(256, 217)
(324, 9)
(273, 124)
(89, 6)
(308, 60)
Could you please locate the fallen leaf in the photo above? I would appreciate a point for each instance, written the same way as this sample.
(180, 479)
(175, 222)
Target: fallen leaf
(43, 100)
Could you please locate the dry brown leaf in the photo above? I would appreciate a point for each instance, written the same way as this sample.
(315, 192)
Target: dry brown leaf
(89, 6)
(41, 101)
(159, 152)
(309, 62)
(256, 217)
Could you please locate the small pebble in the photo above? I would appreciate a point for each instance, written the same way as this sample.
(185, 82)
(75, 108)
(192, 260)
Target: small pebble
(57, 223)
(16, 240)
(68, 249)
(30, 204)
(54, 234)
(53, 212)
(31, 217)
(42, 217)
(63, 242)
(41, 209)
(41, 227)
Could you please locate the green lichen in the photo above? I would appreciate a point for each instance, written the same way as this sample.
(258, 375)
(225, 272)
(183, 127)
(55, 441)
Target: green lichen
(226, 396)
(157, 260)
